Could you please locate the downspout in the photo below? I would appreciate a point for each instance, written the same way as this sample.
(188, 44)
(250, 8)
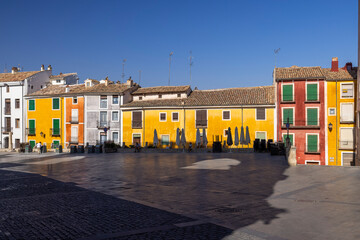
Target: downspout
(336, 125)
(143, 127)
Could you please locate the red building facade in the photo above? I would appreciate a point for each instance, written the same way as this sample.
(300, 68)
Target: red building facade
(301, 111)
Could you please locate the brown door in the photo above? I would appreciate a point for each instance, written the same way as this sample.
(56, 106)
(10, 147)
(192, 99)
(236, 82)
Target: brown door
(7, 124)
(136, 139)
(7, 106)
(17, 143)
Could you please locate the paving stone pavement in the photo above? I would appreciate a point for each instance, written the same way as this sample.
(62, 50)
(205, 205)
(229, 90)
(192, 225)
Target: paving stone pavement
(37, 207)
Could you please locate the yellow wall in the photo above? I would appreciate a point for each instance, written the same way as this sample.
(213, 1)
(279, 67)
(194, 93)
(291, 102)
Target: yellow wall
(216, 125)
(334, 150)
(43, 116)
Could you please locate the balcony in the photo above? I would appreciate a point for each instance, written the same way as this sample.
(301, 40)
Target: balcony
(55, 132)
(74, 120)
(7, 129)
(201, 123)
(137, 124)
(74, 140)
(349, 145)
(7, 111)
(301, 124)
(31, 131)
(103, 124)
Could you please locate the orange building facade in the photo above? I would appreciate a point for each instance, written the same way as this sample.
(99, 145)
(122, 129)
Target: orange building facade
(74, 123)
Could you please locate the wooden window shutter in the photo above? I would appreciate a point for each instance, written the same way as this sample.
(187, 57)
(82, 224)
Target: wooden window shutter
(226, 115)
(287, 92)
(31, 105)
(260, 113)
(312, 116)
(312, 143)
(288, 113)
(311, 90)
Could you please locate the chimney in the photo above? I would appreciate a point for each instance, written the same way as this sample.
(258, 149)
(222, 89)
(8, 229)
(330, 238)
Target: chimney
(42, 67)
(106, 81)
(49, 68)
(129, 82)
(348, 66)
(335, 64)
(67, 89)
(14, 70)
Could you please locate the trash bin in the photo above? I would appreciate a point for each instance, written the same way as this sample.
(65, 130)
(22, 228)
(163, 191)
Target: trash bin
(28, 149)
(59, 149)
(44, 149)
(81, 149)
(269, 144)
(98, 148)
(73, 149)
(91, 149)
(256, 144)
(217, 147)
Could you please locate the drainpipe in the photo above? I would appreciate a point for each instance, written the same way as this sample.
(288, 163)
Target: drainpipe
(337, 114)
(143, 127)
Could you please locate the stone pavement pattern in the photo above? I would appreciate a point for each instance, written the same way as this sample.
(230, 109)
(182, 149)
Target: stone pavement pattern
(36, 207)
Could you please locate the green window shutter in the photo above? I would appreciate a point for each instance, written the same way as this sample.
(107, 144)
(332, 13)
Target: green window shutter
(287, 92)
(312, 142)
(56, 103)
(31, 105)
(32, 143)
(56, 127)
(312, 116)
(31, 127)
(291, 139)
(288, 113)
(56, 143)
(311, 90)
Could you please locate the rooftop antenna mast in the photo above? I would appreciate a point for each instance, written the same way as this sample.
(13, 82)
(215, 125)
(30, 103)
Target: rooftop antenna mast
(191, 63)
(139, 76)
(172, 53)
(276, 51)
(5, 68)
(123, 72)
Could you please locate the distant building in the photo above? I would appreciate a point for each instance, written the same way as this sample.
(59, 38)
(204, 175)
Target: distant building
(13, 87)
(64, 79)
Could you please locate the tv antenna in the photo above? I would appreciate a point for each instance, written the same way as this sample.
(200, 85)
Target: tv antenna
(276, 51)
(139, 76)
(190, 64)
(172, 53)
(123, 72)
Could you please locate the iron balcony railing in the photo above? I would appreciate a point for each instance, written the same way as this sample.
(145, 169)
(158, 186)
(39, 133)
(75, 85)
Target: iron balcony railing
(6, 129)
(74, 119)
(102, 124)
(31, 131)
(55, 132)
(201, 123)
(136, 124)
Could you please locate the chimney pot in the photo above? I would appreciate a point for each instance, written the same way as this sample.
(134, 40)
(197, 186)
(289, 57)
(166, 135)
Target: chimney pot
(335, 64)
(42, 67)
(14, 70)
(49, 68)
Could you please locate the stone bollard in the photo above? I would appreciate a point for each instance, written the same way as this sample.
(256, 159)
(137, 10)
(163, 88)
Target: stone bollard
(291, 158)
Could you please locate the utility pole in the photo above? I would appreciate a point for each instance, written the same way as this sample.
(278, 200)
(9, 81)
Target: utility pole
(191, 63)
(139, 76)
(172, 53)
(123, 72)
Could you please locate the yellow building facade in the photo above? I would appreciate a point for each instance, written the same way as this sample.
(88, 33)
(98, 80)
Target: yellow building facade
(209, 110)
(45, 121)
(341, 105)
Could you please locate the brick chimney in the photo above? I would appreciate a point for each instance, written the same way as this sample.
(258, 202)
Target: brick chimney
(14, 70)
(42, 67)
(335, 64)
(49, 67)
(129, 82)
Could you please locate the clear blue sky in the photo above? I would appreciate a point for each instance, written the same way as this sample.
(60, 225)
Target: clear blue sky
(232, 42)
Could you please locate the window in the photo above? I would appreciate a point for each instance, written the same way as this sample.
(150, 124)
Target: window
(58, 80)
(56, 143)
(88, 84)
(175, 116)
(179, 95)
(56, 127)
(226, 115)
(260, 114)
(103, 119)
(32, 143)
(56, 103)
(312, 143)
(162, 117)
(346, 138)
(226, 132)
(31, 105)
(347, 158)
(160, 96)
(7, 88)
(115, 137)
(31, 130)
(75, 100)
(288, 115)
(17, 122)
(32, 86)
(312, 117)
(115, 116)
(312, 92)
(74, 115)
(260, 135)
(201, 118)
(17, 103)
(287, 93)
(136, 119)
(332, 111)
(165, 139)
(115, 99)
(291, 136)
(140, 98)
(8, 106)
(103, 101)
(347, 90)
(346, 112)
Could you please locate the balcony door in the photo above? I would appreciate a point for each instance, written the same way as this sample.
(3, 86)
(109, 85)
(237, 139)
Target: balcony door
(74, 115)
(103, 119)
(74, 134)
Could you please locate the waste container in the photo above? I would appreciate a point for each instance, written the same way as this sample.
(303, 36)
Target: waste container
(28, 149)
(73, 149)
(80, 149)
(44, 149)
(256, 144)
(98, 148)
(59, 149)
(217, 147)
(90, 148)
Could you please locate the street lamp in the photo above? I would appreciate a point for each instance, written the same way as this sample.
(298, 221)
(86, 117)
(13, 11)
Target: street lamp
(330, 127)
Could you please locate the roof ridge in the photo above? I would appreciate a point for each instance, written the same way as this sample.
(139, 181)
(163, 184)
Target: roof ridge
(221, 89)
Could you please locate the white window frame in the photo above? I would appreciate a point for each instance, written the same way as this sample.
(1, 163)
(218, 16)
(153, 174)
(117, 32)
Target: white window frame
(306, 161)
(112, 136)
(284, 137)
(222, 115)
(342, 156)
(341, 89)
(207, 117)
(282, 115)
(160, 117)
(318, 116)
(331, 108)
(107, 102)
(318, 143)
(224, 132)
(256, 117)
(172, 117)
(112, 100)
(52, 104)
(34, 105)
(282, 91)
(161, 139)
(317, 88)
(347, 103)
(112, 120)
(262, 132)
(72, 111)
(132, 138)
(353, 128)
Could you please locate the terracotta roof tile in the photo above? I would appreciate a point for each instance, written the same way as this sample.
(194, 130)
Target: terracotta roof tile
(296, 72)
(15, 77)
(342, 74)
(161, 89)
(217, 97)
(60, 76)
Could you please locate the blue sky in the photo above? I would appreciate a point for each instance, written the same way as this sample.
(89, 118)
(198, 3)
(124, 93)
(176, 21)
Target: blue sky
(232, 42)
